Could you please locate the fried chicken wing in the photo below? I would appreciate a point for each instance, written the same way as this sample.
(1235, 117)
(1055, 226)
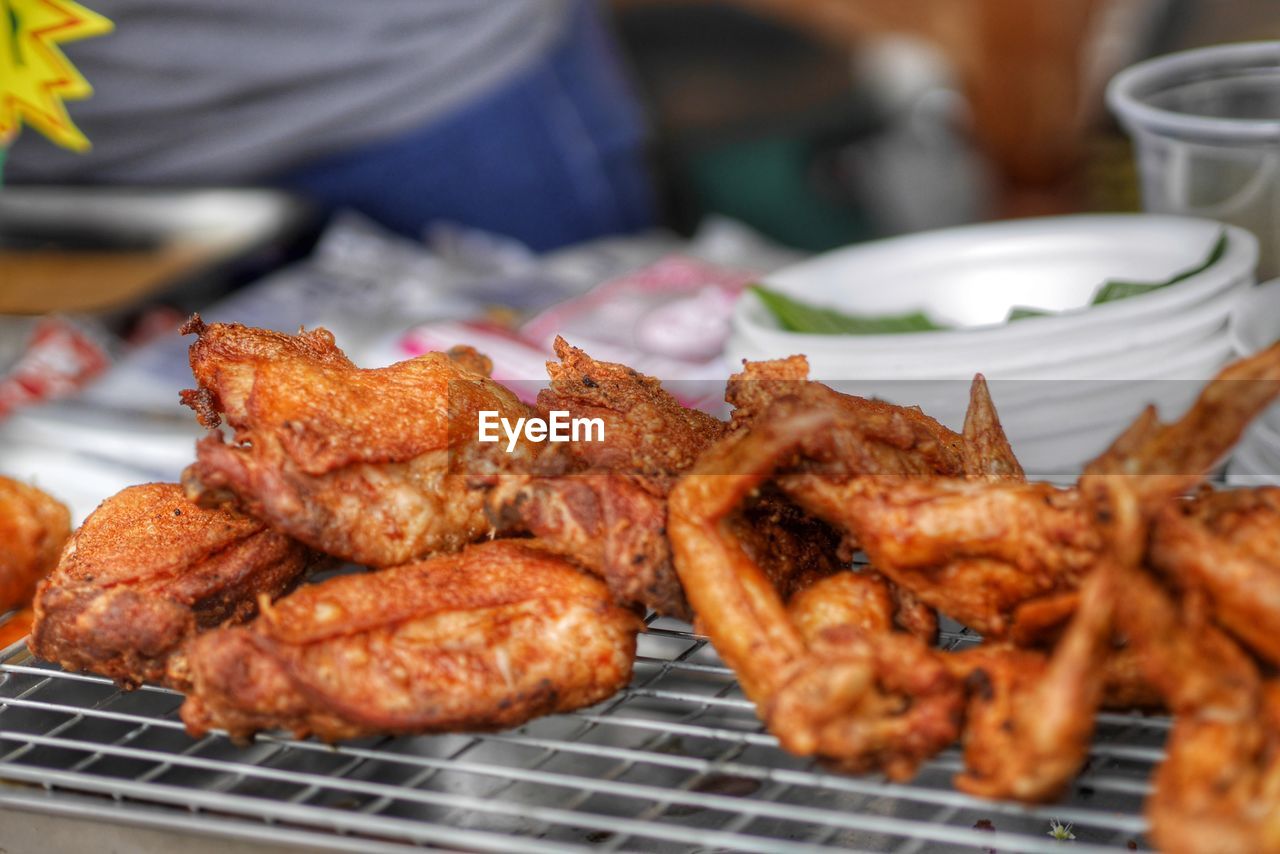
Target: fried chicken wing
(949, 520)
(647, 431)
(33, 527)
(1219, 785)
(821, 674)
(1227, 544)
(146, 572)
(973, 549)
(867, 697)
(604, 502)
(1030, 726)
(869, 702)
(483, 639)
(366, 465)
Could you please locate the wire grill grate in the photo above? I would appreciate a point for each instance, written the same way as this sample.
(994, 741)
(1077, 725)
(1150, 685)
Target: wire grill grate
(677, 762)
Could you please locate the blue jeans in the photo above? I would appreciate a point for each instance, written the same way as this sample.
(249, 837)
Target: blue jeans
(552, 157)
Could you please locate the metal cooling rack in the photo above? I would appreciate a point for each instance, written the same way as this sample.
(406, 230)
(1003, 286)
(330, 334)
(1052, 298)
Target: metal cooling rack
(677, 762)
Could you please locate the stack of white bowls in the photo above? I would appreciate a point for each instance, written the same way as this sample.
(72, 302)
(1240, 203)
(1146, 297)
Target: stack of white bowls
(1066, 383)
(1255, 325)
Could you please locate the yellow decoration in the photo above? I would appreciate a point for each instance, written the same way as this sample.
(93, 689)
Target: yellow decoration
(35, 76)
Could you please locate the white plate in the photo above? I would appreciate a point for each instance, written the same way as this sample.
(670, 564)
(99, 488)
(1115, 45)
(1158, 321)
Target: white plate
(973, 276)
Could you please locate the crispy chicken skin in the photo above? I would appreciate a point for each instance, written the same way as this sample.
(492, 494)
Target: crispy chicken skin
(647, 431)
(33, 528)
(1219, 784)
(604, 502)
(829, 674)
(972, 549)
(366, 465)
(889, 439)
(1227, 544)
(146, 572)
(484, 639)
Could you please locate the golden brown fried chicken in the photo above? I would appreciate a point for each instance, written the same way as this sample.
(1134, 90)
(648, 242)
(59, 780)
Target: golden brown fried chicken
(866, 696)
(821, 673)
(1218, 789)
(983, 546)
(973, 549)
(862, 599)
(647, 431)
(878, 437)
(484, 639)
(33, 527)
(612, 524)
(984, 550)
(604, 502)
(869, 702)
(146, 572)
(1046, 721)
(890, 439)
(1029, 726)
(1227, 544)
(367, 465)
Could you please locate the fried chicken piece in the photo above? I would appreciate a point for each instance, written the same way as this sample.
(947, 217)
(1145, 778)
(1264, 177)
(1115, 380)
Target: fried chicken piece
(1218, 788)
(1227, 544)
(868, 696)
(735, 600)
(612, 524)
(872, 436)
(146, 572)
(863, 599)
(869, 702)
(1030, 725)
(1048, 724)
(604, 502)
(973, 549)
(33, 527)
(858, 599)
(484, 639)
(367, 465)
(647, 431)
(920, 444)
(823, 681)
(983, 550)
(987, 450)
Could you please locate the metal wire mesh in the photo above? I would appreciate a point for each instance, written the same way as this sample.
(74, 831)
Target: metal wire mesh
(677, 762)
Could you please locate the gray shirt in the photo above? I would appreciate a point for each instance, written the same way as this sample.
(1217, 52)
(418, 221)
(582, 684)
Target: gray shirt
(228, 91)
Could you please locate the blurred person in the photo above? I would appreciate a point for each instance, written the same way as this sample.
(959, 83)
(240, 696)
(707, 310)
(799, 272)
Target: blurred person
(512, 116)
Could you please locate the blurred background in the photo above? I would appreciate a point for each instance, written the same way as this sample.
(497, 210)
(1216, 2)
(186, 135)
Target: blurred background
(469, 170)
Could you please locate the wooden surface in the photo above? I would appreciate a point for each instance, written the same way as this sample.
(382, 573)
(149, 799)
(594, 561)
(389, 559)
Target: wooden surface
(35, 282)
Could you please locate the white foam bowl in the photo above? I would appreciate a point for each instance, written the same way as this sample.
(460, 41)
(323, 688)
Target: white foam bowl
(1077, 356)
(1136, 363)
(1255, 319)
(972, 276)
(1247, 468)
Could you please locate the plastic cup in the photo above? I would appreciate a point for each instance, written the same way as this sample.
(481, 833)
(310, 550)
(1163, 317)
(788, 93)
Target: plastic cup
(1206, 127)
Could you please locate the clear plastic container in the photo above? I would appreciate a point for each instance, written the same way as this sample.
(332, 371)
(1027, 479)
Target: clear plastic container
(1206, 126)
